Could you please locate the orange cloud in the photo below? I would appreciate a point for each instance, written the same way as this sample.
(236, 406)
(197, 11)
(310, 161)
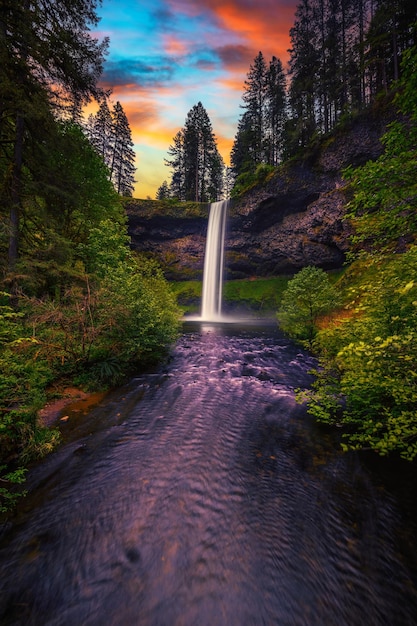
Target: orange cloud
(173, 46)
(264, 30)
(261, 26)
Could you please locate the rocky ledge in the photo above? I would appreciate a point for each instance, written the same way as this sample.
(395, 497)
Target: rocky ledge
(293, 220)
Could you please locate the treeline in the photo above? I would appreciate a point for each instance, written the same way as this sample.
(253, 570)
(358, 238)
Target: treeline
(50, 67)
(344, 54)
(77, 306)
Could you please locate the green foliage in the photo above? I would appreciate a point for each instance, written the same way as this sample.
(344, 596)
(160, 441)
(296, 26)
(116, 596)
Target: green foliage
(123, 312)
(247, 180)
(309, 295)
(369, 362)
(385, 191)
(73, 195)
(165, 207)
(22, 385)
(258, 294)
(8, 495)
(367, 376)
(82, 306)
(188, 295)
(121, 315)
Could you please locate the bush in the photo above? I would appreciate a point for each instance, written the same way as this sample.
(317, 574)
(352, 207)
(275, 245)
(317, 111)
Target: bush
(308, 296)
(119, 316)
(369, 363)
(247, 180)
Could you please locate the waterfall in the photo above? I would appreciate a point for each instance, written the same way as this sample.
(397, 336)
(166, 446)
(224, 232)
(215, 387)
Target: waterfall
(211, 303)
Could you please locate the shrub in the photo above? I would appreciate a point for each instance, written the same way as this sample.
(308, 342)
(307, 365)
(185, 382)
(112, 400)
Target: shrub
(369, 363)
(308, 296)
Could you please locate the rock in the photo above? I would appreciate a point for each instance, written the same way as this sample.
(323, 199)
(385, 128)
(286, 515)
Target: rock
(294, 220)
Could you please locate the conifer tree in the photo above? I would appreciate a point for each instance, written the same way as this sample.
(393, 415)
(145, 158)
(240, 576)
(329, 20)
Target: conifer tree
(260, 134)
(197, 166)
(176, 162)
(304, 64)
(48, 60)
(122, 166)
(100, 130)
(163, 191)
(275, 111)
(110, 135)
(242, 157)
(254, 99)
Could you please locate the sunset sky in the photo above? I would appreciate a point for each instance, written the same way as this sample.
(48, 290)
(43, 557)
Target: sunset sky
(165, 56)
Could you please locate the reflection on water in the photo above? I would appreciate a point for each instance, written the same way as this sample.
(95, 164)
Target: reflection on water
(203, 495)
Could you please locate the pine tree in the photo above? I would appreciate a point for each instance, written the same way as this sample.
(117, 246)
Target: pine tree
(122, 166)
(163, 191)
(197, 167)
(243, 157)
(176, 162)
(254, 99)
(275, 111)
(260, 134)
(110, 135)
(48, 61)
(99, 130)
(390, 33)
(304, 66)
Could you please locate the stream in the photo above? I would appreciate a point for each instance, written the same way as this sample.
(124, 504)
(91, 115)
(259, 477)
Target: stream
(203, 495)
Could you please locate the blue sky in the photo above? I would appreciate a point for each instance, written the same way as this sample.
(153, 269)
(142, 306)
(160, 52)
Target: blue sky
(165, 56)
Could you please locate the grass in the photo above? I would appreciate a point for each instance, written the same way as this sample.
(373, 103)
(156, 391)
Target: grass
(168, 207)
(258, 294)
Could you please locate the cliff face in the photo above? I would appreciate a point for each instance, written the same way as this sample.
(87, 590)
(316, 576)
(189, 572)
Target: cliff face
(293, 220)
(177, 241)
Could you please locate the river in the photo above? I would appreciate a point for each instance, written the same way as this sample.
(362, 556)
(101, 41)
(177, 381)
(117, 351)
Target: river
(203, 495)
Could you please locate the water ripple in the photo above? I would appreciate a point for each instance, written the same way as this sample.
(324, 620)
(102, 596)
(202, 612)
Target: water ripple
(211, 500)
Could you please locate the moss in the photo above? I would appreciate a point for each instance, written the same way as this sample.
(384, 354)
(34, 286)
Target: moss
(257, 294)
(168, 207)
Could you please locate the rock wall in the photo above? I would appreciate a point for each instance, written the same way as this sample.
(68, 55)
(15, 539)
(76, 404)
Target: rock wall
(294, 220)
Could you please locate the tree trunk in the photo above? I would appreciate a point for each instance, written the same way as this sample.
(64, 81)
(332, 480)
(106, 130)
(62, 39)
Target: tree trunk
(15, 193)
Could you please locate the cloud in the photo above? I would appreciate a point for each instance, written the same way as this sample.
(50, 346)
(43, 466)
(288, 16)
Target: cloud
(235, 56)
(135, 71)
(174, 46)
(262, 25)
(167, 55)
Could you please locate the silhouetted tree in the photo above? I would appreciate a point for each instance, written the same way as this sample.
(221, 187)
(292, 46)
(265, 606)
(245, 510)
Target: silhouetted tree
(163, 191)
(260, 134)
(197, 166)
(122, 167)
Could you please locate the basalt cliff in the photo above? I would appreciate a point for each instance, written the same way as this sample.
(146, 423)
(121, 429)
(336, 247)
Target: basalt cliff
(293, 219)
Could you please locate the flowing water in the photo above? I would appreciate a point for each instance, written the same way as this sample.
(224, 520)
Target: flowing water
(202, 495)
(211, 302)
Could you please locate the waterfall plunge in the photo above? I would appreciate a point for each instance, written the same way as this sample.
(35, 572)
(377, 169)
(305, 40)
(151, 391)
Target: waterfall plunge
(211, 303)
